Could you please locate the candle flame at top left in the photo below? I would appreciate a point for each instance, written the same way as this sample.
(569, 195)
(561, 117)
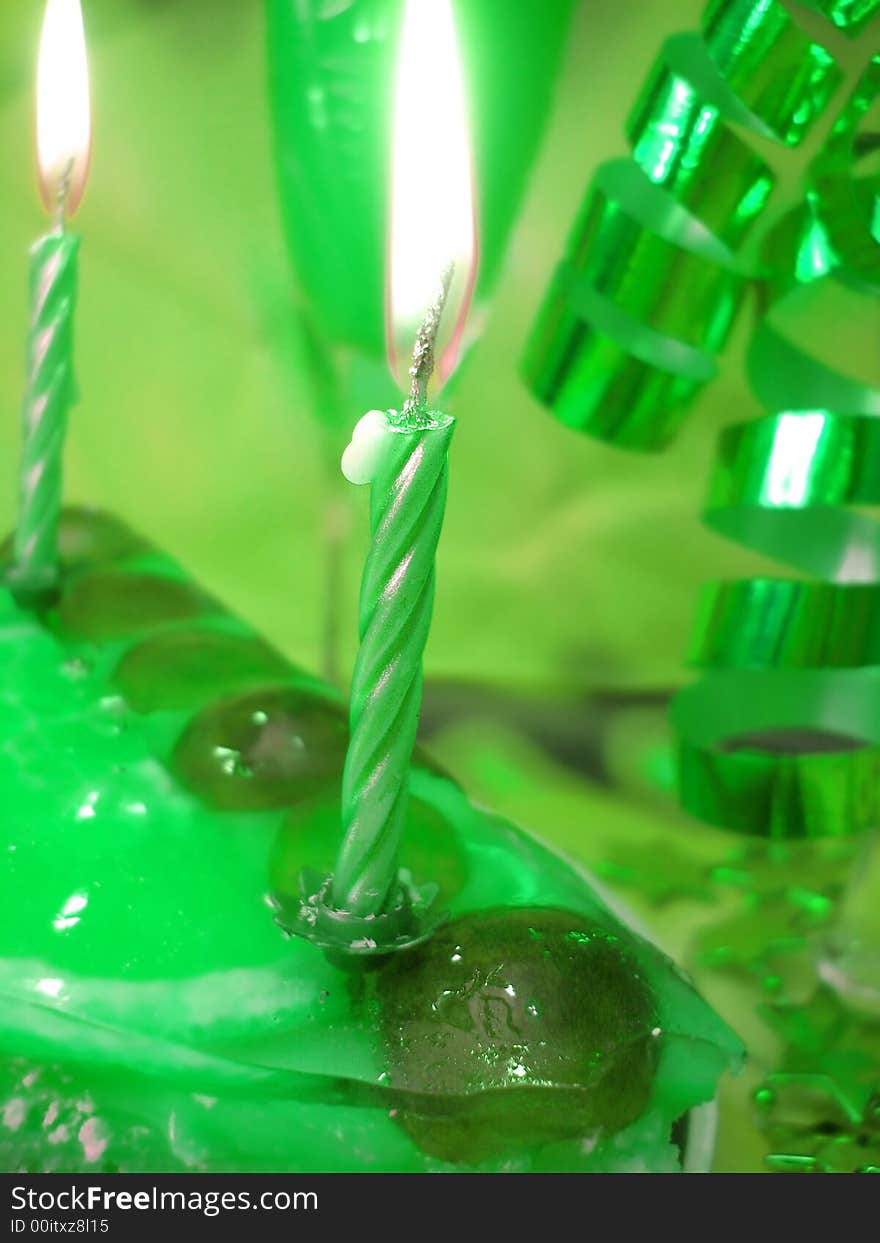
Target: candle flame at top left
(64, 126)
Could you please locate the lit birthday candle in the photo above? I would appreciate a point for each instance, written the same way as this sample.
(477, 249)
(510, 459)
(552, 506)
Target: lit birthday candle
(63, 144)
(366, 906)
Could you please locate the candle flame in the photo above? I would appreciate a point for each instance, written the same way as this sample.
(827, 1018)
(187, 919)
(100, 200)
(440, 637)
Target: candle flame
(63, 114)
(432, 196)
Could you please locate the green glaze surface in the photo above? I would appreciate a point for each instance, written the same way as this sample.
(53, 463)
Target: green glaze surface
(155, 1017)
(539, 1011)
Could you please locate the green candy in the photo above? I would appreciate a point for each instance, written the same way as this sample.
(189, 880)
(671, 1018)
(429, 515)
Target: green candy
(187, 668)
(264, 749)
(107, 605)
(536, 1019)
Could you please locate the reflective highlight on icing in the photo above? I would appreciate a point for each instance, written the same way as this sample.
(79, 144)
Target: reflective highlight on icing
(152, 1010)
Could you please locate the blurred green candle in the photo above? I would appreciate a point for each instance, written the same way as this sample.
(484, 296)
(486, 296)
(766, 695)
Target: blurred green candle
(331, 73)
(63, 140)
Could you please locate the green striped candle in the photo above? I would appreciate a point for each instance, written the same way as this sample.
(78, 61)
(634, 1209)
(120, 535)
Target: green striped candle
(63, 139)
(367, 906)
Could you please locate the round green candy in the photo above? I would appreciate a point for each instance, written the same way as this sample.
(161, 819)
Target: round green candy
(267, 748)
(113, 605)
(792, 741)
(535, 1024)
(188, 668)
(88, 537)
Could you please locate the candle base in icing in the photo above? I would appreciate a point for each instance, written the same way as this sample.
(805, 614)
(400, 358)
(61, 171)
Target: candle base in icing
(154, 1016)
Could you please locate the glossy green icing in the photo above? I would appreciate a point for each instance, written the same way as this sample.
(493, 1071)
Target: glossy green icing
(154, 1016)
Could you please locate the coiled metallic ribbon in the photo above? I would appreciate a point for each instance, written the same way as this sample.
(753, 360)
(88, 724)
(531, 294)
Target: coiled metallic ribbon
(654, 273)
(782, 735)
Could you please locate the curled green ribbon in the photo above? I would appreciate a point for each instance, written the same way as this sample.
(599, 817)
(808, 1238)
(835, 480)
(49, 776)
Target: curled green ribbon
(653, 274)
(782, 735)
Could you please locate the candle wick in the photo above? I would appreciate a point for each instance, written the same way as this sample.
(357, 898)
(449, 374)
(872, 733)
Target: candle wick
(63, 194)
(424, 351)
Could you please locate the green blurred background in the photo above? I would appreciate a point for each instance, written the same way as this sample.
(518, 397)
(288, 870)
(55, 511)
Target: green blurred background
(568, 571)
(562, 559)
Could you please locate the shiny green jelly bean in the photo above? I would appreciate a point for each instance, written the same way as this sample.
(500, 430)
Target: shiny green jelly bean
(535, 1021)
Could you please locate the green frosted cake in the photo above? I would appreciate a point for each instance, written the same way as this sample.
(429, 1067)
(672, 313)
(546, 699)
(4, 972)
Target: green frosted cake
(166, 777)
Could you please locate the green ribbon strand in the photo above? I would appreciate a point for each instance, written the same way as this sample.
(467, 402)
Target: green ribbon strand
(782, 735)
(653, 273)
